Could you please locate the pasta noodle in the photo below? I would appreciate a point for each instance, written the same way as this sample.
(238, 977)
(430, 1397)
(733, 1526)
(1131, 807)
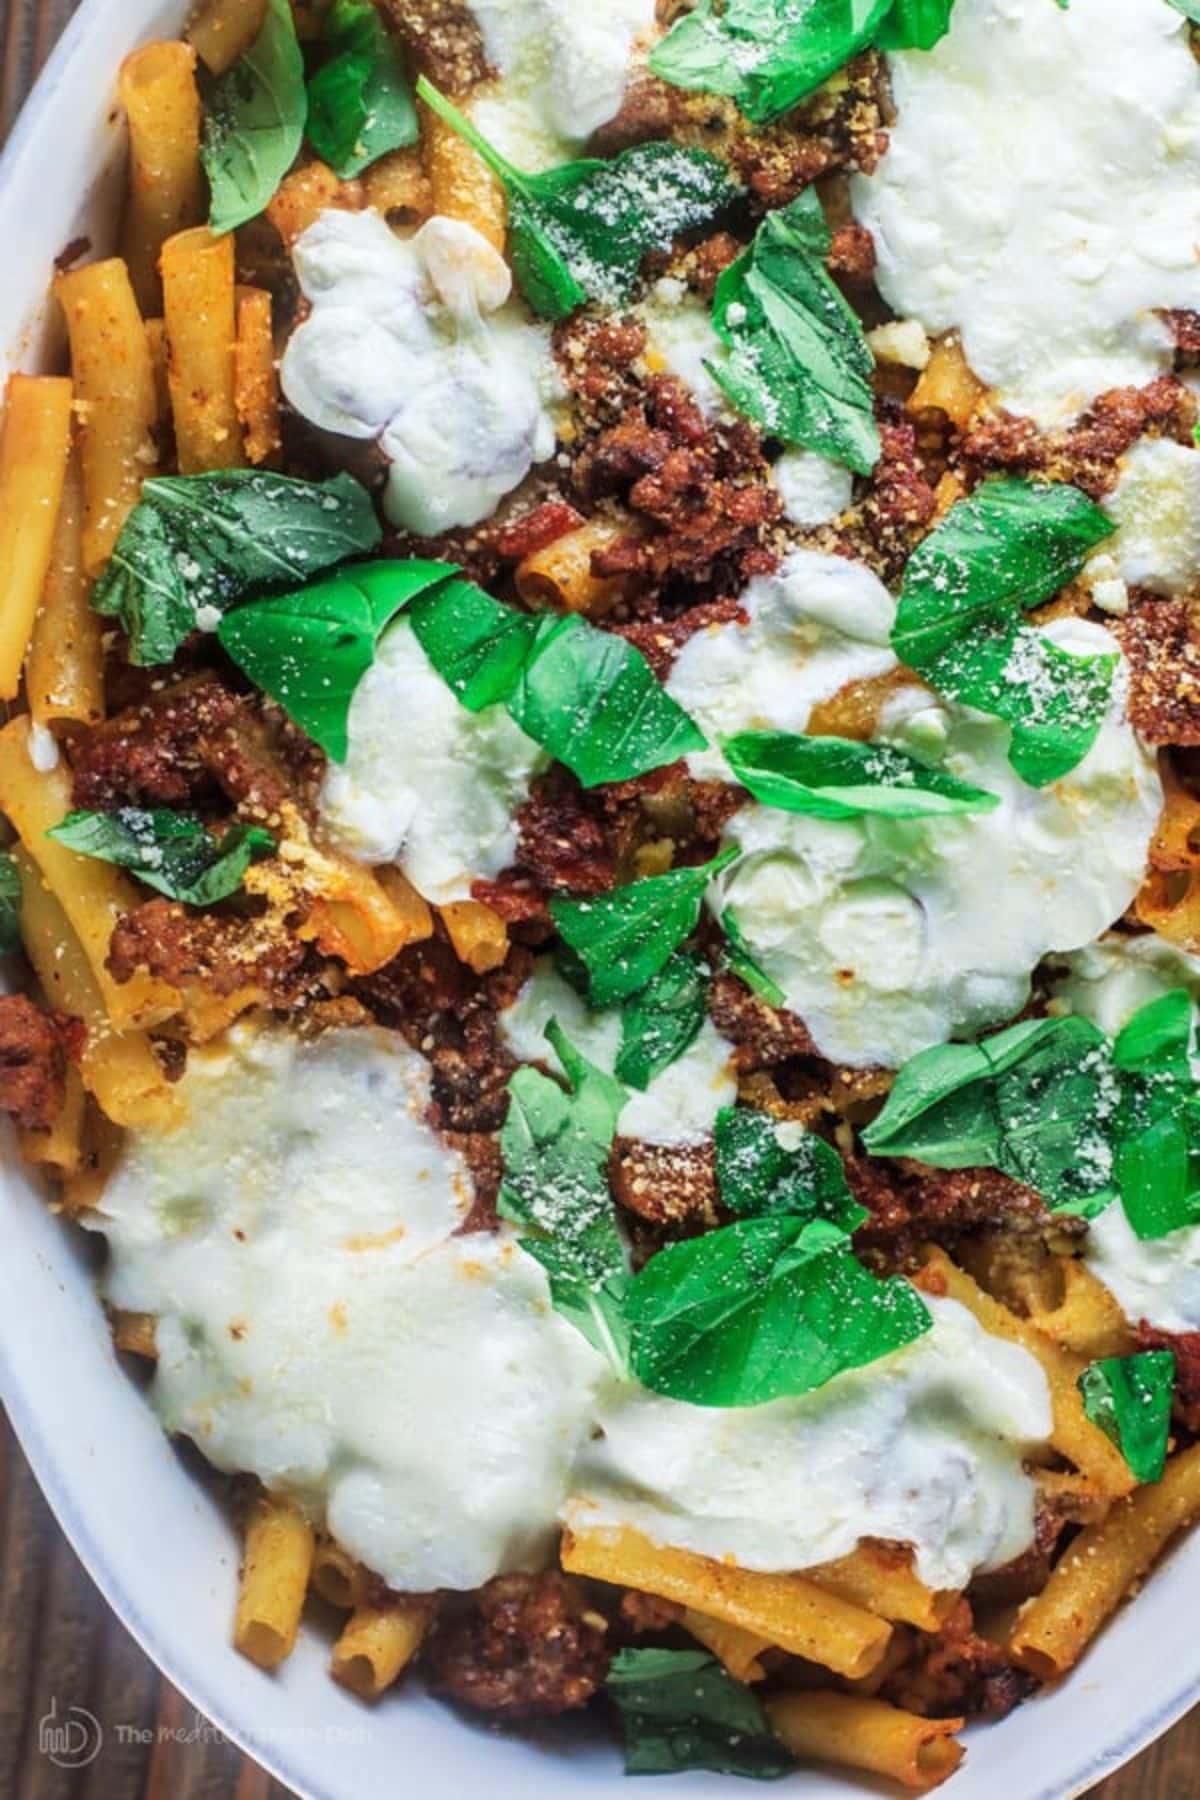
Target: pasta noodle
(789, 1611)
(276, 1564)
(222, 30)
(737, 1648)
(157, 88)
(336, 1577)
(463, 186)
(868, 1734)
(479, 935)
(1102, 1566)
(398, 186)
(61, 1147)
(882, 1579)
(305, 194)
(560, 576)
(378, 1644)
(64, 675)
(948, 384)
(201, 320)
(115, 393)
(256, 382)
(34, 446)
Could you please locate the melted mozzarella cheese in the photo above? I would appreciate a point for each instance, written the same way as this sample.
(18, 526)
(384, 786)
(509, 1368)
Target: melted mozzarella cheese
(817, 624)
(1156, 507)
(412, 341)
(924, 1447)
(426, 783)
(888, 936)
(563, 69)
(1156, 1281)
(1041, 193)
(679, 1106)
(319, 1327)
(1111, 980)
(814, 489)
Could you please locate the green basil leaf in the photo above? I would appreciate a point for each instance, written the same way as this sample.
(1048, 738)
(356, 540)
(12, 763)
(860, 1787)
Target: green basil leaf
(477, 646)
(555, 1146)
(1035, 1101)
(763, 1309)
(1157, 1132)
(309, 650)
(660, 1022)
(740, 961)
(593, 701)
(765, 1169)
(1189, 8)
(839, 778)
(10, 904)
(359, 103)
(197, 544)
(1129, 1398)
(1158, 1173)
(581, 231)
(254, 124)
(916, 24)
(799, 364)
(1159, 1033)
(768, 55)
(170, 852)
(679, 1709)
(625, 938)
(1008, 547)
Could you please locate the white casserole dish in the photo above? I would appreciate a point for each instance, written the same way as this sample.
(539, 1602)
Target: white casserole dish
(158, 1548)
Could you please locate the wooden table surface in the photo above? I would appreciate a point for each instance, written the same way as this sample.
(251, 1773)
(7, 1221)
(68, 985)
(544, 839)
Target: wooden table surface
(60, 1645)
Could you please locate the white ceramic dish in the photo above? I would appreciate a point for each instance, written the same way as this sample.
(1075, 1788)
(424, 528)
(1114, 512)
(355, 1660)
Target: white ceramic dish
(158, 1548)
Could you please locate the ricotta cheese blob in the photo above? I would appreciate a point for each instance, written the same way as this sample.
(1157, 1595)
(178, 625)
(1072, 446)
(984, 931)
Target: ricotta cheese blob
(888, 936)
(924, 1447)
(1156, 506)
(680, 1105)
(415, 342)
(1157, 1281)
(1041, 193)
(816, 624)
(563, 69)
(318, 1325)
(1109, 981)
(426, 783)
(814, 489)
(680, 341)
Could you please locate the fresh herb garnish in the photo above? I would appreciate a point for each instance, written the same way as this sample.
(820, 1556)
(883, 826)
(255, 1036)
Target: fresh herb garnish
(1006, 548)
(798, 363)
(10, 904)
(839, 778)
(765, 1168)
(555, 1145)
(1158, 1123)
(916, 24)
(1129, 1398)
(581, 231)
(309, 650)
(359, 103)
(1189, 8)
(172, 853)
(739, 959)
(196, 544)
(659, 1023)
(254, 123)
(623, 939)
(679, 1709)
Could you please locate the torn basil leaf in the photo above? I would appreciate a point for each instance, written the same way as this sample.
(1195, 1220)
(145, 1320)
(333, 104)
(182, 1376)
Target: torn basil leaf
(10, 904)
(766, 1167)
(195, 545)
(555, 1146)
(798, 364)
(914, 24)
(679, 1709)
(1157, 1130)
(174, 854)
(580, 232)
(767, 55)
(1006, 548)
(623, 939)
(660, 1023)
(254, 122)
(739, 960)
(477, 646)
(840, 778)
(309, 650)
(1129, 1398)
(763, 1309)
(359, 103)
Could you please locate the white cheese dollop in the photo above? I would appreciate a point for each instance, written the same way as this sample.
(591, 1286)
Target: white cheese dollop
(679, 1106)
(414, 341)
(888, 936)
(814, 489)
(924, 1447)
(1041, 193)
(320, 1328)
(426, 783)
(1111, 980)
(818, 623)
(564, 67)
(1156, 506)
(680, 341)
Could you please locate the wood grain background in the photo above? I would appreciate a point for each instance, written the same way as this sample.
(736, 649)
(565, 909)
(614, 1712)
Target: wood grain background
(60, 1646)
